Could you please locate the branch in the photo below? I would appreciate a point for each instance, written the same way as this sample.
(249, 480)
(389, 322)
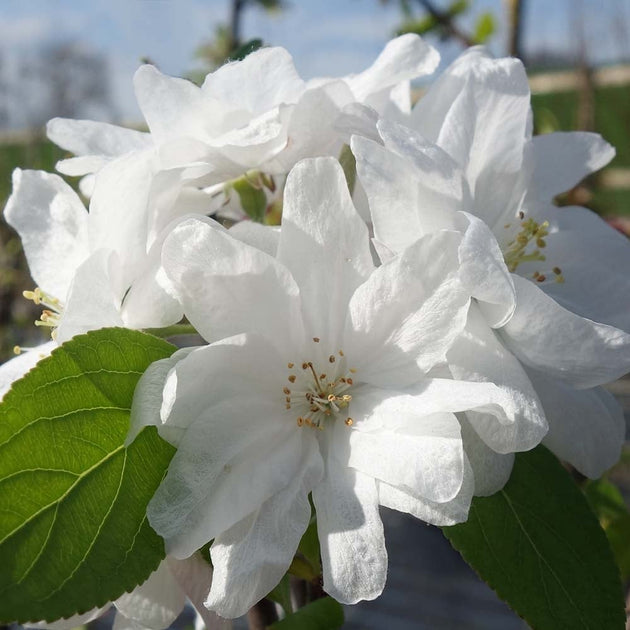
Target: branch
(446, 21)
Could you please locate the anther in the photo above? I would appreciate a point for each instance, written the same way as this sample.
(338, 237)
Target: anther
(541, 278)
(331, 358)
(287, 391)
(316, 339)
(292, 378)
(349, 422)
(521, 214)
(304, 366)
(341, 353)
(349, 381)
(290, 365)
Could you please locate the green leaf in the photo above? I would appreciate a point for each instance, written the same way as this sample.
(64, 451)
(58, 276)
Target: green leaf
(608, 504)
(457, 8)
(73, 528)
(605, 500)
(322, 614)
(539, 546)
(485, 27)
(246, 49)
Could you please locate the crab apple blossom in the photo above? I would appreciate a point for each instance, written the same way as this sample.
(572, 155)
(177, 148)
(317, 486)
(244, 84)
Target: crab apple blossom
(246, 126)
(316, 380)
(468, 148)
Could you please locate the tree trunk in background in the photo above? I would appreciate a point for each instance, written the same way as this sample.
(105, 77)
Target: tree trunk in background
(236, 10)
(515, 27)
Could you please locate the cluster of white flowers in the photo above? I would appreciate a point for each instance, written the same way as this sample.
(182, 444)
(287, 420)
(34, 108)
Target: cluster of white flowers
(413, 322)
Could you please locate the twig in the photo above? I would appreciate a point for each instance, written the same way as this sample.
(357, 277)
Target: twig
(446, 21)
(262, 615)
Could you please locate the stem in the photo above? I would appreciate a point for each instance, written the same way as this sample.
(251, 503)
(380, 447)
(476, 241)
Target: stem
(262, 615)
(298, 591)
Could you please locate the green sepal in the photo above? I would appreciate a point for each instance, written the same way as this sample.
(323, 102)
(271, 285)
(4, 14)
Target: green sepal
(251, 194)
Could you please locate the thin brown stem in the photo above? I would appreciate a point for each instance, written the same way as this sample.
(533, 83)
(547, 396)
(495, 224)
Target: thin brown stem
(262, 615)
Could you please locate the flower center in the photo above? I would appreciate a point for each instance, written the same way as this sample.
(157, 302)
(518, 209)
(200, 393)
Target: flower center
(526, 246)
(51, 315)
(316, 394)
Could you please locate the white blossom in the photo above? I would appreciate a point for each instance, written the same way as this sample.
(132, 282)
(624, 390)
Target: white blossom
(255, 117)
(316, 380)
(468, 147)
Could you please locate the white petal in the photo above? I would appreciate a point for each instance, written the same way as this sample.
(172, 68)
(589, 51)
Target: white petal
(491, 470)
(594, 259)
(484, 130)
(428, 115)
(479, 356)
(442, 514)
(122, 623)
(227, 287)
(408, 313)
(257, 142)
(423, 455)
(324, 243)
(130, 205)
(563, 160)
(586, 427)
(174, 107)
(480, 113)
(251, 557)
(52, 223)
(264, 79)
(413, 188)
(87, 137)
(313, 130)
(93, 300)
(561, 344)
(77, 166)
(156, 603)
(240, 446)
(484, 272)
(18, 366)
(194, 576)
(70, 622)
(262, 237)
(148, 399)
(352, 542)
(150, 302)
(406, 57)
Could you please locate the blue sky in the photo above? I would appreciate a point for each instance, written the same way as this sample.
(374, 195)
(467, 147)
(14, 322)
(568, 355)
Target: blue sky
(326, 37)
